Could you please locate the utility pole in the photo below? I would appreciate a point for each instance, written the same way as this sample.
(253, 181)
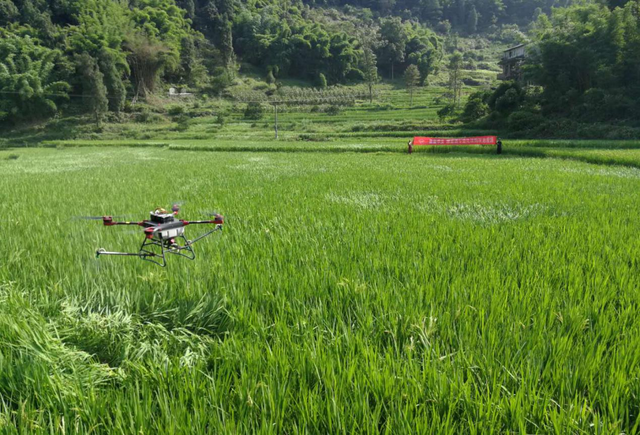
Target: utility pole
(275, 126)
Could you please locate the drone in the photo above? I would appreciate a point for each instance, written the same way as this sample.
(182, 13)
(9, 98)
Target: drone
(162, 233)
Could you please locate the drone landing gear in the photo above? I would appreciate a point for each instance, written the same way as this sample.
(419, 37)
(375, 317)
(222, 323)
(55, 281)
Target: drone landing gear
(154, 250)
(140, 254)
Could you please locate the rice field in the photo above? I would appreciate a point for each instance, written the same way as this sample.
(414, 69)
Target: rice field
(348, 293)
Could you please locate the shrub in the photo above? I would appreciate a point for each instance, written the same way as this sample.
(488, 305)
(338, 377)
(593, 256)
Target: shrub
(476, 106)
(474, 110)
(446, 112)
(333, 110)
(221, 119)
(471, 82)
(254, 111)
(147, 117)
(322, 81)
(312, 138)
(221, 80)
(175, 110)
(182, 123)
(270, 78)
(512, 100)
(262, 86)
(524, 120)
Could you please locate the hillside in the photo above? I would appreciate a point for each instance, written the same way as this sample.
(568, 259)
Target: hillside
(98, 57)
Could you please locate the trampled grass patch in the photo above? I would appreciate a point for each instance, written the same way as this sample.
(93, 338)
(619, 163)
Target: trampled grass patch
(349, 292)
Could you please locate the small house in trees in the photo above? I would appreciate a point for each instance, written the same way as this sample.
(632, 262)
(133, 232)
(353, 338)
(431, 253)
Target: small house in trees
(511, 62)
(173, 92)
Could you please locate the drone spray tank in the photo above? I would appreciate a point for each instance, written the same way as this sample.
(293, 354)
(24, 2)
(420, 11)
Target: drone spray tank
(166, 226)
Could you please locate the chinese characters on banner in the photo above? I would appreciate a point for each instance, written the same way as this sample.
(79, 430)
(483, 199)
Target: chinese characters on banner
(478, 140)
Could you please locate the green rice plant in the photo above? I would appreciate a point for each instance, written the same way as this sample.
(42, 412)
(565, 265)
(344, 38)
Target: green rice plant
(380, 292)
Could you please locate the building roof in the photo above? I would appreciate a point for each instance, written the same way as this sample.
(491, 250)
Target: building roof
(514, 47)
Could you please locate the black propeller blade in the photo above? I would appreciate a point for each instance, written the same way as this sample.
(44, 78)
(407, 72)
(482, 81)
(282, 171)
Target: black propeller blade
(99, 218)
(89, 218)
(210, 213)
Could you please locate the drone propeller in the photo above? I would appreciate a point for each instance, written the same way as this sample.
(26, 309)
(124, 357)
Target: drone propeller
(99, 218)
(210, 214)
(175, 206)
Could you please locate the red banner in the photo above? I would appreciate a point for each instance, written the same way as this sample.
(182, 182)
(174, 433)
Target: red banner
(478, 140)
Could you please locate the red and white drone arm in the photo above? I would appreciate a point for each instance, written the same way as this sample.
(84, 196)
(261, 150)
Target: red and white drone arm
(108, 222)
(219, 220)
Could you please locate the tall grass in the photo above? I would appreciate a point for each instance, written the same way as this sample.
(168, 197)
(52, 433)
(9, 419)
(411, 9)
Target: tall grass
(432, 293)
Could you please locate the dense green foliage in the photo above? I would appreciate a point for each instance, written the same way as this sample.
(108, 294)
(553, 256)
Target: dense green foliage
(142, 39)
(584, 63)
(29, 77)
(587, 60)
(139, 44)
(583, 59)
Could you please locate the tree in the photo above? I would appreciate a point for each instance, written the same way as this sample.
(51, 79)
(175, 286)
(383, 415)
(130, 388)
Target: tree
(472, 20)
(28, 82)
(188, 59)
(394, 40)
(424, 49)
(370, 70)
(116, 91)
(476, 106)
(431, 10)
(226, 47)
(411, 79)
(189, 7)
(461, 15)
(536, 14)
(93, 89)
(147, 60)
(322, 81)
(455, 78)
(9, 13)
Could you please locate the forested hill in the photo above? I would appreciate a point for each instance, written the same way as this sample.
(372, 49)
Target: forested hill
(50, 48)
(103, 52)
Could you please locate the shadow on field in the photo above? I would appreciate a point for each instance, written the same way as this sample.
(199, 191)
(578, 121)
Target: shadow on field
(33, 136)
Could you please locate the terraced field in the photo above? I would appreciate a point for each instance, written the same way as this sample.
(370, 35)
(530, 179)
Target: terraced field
(349, 292)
